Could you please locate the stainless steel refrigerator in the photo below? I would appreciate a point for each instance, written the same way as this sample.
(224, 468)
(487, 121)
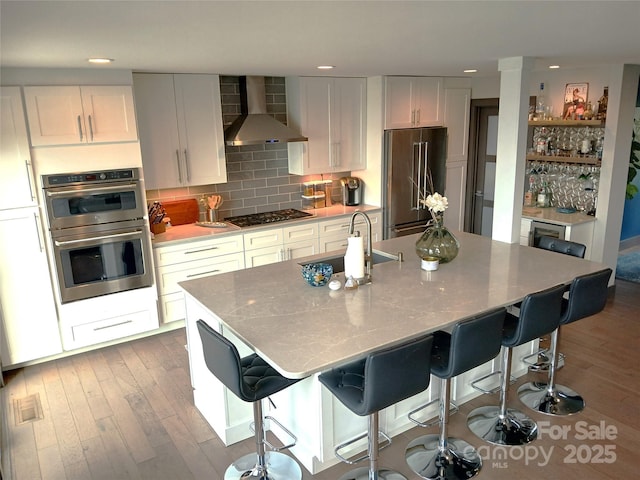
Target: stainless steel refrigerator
(410, 155)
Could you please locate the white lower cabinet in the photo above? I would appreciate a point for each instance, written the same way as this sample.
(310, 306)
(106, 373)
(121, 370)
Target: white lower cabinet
(272, 245)
(333, 233)
(229, 416)
(27, 310)
(176, 263)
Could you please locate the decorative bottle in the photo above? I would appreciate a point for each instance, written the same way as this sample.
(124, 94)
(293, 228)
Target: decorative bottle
(530, 194)
(602, 105)
(541, 103)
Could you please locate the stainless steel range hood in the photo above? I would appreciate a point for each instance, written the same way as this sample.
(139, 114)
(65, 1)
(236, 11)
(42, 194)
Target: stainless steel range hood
(254, 126)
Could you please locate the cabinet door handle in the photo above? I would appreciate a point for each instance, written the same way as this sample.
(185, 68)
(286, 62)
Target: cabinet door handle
(30, 179)
(178, 164)
(91, 128)
(418, 117)
(187, 166)
(80, 128)
(40, 242)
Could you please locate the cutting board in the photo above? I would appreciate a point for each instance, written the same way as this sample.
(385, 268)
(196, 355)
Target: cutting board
(182, 212)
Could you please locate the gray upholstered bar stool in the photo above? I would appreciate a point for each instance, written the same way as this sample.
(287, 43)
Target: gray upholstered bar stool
(367, 386)
(542, 360)
(251, 379)
(539, 315)
(587, 296)
(470, 344)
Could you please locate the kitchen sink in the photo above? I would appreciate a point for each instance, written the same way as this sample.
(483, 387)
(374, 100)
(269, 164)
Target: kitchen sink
(337, 261)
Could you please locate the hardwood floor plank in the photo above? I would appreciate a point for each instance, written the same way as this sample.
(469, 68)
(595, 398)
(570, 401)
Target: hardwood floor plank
(100, 466)
(145, 381)
(167, 465)
(95, 397)
(189, 449)
(66, 432)
(149, 421)
(82, 415)
(24, 453)
(126, 421)
(120, 457)
(50, 456)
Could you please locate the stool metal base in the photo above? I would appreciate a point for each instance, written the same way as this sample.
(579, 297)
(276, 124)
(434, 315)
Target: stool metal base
(560, 401)
(362, 473)
(460, 461)
(278, 466)
(514, 429)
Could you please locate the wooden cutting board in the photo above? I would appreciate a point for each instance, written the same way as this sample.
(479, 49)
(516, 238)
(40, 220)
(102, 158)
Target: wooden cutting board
(182, 212)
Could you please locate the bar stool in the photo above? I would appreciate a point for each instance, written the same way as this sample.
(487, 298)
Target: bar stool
(251, 379)
(367, 386)
(587, 296)
(471, 343)
(566, 247)
(539, 315)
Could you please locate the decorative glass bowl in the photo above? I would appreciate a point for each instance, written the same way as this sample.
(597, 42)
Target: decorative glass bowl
(317, 274)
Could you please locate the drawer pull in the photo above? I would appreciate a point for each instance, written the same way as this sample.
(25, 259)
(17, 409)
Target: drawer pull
(201, 250)
(202, 273)
(113, 325)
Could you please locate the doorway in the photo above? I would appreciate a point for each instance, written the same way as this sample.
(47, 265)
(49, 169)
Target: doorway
(483, 143)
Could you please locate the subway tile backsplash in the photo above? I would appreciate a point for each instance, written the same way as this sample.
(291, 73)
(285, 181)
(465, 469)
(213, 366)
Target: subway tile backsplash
(258, 179)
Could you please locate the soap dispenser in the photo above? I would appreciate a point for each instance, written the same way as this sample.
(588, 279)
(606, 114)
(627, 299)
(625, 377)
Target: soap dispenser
(354, 257)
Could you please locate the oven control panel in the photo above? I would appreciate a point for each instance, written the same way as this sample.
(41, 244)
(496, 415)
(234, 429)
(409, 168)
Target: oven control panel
(101, 176)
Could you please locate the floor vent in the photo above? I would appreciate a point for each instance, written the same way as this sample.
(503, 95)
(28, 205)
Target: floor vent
(27, 409)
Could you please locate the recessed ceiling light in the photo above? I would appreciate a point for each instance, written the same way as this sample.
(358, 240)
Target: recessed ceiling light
(326, 67)
(101, 60)
(470, 70)
(554, 66)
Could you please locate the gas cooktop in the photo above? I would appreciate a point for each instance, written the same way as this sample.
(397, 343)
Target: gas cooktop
(267, 217)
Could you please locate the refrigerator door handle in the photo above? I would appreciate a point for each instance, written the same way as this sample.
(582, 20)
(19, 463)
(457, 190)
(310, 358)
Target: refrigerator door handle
(426, 183)
(415, 182)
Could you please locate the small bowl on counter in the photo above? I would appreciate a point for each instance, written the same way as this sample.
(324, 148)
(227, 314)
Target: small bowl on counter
(317, 274)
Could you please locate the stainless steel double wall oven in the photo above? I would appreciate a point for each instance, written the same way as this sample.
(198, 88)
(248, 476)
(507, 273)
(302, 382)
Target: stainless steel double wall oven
(99, 232)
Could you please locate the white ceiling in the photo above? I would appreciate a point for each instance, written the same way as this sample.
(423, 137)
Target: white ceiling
(361, 38)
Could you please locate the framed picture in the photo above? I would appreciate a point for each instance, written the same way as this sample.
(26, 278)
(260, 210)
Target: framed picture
(575, 100)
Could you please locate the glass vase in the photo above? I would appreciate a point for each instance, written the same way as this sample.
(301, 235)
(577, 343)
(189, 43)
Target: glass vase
(437, 242)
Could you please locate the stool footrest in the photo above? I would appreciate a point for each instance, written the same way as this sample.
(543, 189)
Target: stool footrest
(540, 361)
(385, 444)
(453, 409)
(294, 439)
(491, 389)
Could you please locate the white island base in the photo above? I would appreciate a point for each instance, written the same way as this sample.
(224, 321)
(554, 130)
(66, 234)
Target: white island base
(310, 411)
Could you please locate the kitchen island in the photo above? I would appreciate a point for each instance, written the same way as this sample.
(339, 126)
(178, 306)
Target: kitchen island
(302, 330)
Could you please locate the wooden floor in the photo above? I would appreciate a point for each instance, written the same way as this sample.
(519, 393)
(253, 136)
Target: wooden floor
(126, 412)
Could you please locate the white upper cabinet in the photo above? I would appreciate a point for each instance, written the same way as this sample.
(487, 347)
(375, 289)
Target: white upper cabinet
(331, 112)
(71, 115)
(413, 102)
(181, 133)
(16, 171)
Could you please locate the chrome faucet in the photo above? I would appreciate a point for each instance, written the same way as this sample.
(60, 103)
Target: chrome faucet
(368, 254)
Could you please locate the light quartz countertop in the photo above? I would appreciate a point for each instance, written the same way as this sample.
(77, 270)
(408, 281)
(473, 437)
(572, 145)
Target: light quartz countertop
(550, 215)
(189, 232)
(302, 330)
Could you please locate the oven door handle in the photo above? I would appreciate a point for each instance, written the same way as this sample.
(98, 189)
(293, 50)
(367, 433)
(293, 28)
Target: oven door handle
(109, 188)
(63, 243)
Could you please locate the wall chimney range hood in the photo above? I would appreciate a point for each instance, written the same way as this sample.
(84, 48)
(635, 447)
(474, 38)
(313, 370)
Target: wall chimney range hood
(254, 126)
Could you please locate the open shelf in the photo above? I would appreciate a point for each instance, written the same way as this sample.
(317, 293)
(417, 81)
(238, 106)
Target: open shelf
(566, 123)
(553, 158)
